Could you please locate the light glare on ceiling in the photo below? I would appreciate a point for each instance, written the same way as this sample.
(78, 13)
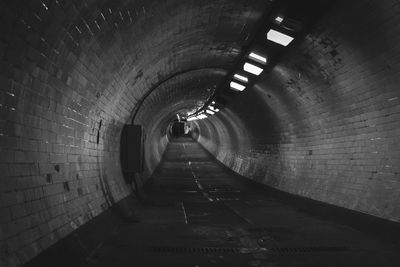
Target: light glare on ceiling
(213, 109)
(241, 78)
(258, 58)
(202, 116)
(237, 86)
(279, 19)
(279, 38)
(253, 69)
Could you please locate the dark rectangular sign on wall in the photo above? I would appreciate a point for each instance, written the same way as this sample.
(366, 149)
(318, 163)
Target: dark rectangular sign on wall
(132, 148)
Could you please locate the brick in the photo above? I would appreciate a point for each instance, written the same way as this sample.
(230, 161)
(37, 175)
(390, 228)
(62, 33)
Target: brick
(5, 215)
(326, 98)
(52, 189)
(329, 95)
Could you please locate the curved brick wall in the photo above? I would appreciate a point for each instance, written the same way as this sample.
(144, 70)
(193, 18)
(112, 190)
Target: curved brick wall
(324, 123)
(72, 73)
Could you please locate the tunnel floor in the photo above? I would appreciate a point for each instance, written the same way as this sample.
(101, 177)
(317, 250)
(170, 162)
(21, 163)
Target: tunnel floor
(197, 213)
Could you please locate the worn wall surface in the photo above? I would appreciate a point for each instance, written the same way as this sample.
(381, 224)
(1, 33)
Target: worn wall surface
(72, 73)
(324, 123)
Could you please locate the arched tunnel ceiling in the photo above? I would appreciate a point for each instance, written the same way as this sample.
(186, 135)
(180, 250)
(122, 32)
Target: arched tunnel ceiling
(119, 50)
(322, 121)
(183, 93)
(210, 41)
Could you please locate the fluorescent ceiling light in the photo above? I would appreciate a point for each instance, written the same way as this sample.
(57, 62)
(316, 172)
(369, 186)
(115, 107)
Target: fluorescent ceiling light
(258, 58)
(279, 19)
(237, 86)
(210, 112)
(192, 119)
(213, 109)
(279, 38)
(202, 116)
(253, 69)
(213, 102)
(241, 78)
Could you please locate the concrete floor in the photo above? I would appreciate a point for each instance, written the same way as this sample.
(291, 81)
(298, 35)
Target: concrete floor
(197, 213)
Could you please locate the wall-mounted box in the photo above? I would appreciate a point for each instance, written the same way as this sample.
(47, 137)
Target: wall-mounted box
(132, 143)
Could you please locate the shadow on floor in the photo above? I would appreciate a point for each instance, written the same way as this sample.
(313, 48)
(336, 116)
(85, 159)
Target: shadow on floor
(198, 213)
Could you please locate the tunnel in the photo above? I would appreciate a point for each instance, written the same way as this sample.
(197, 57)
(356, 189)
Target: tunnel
(199, 133)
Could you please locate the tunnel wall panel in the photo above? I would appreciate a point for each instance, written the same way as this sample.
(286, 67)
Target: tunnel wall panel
(335, 101)
(59, 133)
(72, 72)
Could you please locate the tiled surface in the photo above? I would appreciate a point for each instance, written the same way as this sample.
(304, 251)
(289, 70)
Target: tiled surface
(183, 223)
(71, 74)
(324, 122)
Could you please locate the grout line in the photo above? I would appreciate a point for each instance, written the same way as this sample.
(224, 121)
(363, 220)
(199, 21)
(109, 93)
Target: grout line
(203, 191)
(88, 258)
(237, 213)
(201, 188)
(184, 212)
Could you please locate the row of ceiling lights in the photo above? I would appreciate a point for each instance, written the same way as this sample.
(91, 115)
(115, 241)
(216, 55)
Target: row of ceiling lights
(254, 65)
(211, 110)
(255, 62)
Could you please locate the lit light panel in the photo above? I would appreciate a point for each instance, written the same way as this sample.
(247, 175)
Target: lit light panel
(202, 116)
(279, 38)
(253, 69)
(192, 119)
(237, 86)
(279, 19)
(258, 58)
(212, 108)
(241, 78)
(210, 112)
